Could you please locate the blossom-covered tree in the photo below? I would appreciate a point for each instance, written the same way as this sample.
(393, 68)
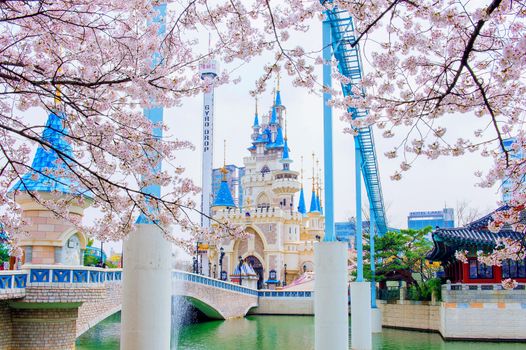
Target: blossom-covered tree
(430, 61)
(91, 61)
(426, 60)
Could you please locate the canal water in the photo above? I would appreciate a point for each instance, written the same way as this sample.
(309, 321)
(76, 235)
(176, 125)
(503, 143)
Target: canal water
(274, 332)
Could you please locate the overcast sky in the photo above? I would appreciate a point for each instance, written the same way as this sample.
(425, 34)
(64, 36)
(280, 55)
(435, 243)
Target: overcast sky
(429, 185)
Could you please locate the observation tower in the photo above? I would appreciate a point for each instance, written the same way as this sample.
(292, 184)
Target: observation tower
(208, 71)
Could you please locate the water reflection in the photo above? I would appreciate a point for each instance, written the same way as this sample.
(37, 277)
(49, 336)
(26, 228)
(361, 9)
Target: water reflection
(274, 332)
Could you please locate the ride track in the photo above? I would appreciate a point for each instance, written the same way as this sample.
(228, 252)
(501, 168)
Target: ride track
(347, 53)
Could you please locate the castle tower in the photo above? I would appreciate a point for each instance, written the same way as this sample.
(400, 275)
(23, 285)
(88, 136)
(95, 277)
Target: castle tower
(52, 240)
(279, 242)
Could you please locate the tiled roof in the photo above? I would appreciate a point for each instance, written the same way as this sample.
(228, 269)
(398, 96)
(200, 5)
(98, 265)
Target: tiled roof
(485, 220)
(473, 236)
(448, 240)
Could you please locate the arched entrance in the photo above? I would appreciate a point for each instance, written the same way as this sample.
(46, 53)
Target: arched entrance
(258, 268)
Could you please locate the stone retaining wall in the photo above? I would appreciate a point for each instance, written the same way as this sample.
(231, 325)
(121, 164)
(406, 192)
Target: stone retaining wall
(5, 326)
(284, 306)
(474, 320)
(411, 315)
(491, 321)
(44, 329)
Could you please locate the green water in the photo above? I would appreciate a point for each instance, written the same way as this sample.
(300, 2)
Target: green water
(274, 332)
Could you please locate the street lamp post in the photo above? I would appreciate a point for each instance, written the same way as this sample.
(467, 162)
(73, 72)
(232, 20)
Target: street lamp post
(285, 277)
(304, 268)
(240, 265)
(197, 257)
(215, 266)
(209, 268)
(221, 256)
(101, 254)
(194, 264)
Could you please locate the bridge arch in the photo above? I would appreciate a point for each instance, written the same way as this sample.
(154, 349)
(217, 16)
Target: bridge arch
(207, 309)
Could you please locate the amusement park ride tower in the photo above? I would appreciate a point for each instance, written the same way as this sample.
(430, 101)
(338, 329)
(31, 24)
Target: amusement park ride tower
(208, 72)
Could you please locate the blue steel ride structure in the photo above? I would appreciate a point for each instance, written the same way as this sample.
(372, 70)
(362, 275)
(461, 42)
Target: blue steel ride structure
(349, 65)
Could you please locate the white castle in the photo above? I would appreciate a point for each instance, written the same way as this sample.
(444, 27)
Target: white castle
(282, 232)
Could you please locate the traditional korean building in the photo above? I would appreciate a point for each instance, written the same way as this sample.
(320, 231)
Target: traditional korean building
(472, 238)
(282, 232)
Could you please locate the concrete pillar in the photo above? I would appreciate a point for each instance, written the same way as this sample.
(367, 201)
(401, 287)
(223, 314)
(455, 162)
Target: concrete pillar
(376, 320)
(361, 336)
(331, 318)
(147, 289)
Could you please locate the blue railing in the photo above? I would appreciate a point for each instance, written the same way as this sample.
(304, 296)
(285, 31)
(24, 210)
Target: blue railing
(12, 281)
(284, 294)
(191, 277)
(71, 274)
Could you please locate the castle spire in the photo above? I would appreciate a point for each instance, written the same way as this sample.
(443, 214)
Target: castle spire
(301, 205)
(223, 197)
(285, 122)
(277, 102)
(223, 169)
(274, 116)
(313, 201)
(256, 118)
(318, 193)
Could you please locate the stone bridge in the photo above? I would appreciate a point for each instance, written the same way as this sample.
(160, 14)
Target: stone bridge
(48, 306)
(216, 299)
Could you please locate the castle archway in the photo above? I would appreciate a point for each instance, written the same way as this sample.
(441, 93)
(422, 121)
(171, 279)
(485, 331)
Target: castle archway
(258, 268)
(253, 245)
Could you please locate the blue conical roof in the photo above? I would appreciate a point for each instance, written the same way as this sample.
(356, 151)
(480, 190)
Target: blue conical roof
(278, 98)
(314, 203)
(274, 116)
(47, 160)
(256, 121)
(318, 203)
(279, 137)
(301, 205)
(223, 196)
(285, 151)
